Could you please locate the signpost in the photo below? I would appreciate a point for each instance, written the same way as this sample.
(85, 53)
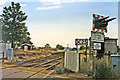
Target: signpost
(81, 42)
(97, 34)
(97, 43)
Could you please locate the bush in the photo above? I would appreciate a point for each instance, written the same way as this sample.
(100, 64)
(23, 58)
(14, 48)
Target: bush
(62, 70)
(116, 74)
(85, 68)
(37, 50)
(102, 70)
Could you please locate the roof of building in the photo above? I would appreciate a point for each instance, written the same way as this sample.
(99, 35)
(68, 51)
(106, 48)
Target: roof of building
(115, 55)
(26, 44)
(107, 38)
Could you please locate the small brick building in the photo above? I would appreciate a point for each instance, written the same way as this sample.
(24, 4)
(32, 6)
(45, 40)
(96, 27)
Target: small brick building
(110, 45)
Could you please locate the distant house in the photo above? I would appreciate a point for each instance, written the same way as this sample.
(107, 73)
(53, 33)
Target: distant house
(27, 46)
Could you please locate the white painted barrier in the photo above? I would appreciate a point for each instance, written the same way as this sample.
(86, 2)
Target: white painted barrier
(72, 60)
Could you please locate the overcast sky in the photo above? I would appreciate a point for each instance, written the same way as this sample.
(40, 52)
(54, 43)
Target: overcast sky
(61, 21)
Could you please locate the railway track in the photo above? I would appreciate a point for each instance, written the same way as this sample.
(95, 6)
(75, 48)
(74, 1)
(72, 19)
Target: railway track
(44, 70)
(46, 66)
(33, 62)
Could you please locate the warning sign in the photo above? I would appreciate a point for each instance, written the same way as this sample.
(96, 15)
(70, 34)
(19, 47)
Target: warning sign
(97, 36)
(97, 46)
(81, 41)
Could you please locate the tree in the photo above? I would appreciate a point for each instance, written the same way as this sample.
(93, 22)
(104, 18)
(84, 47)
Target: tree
(26, 38)
(88, 47)
(82, 47)
(47, 46)
(14, 29)
(74, 49)
(59, 47)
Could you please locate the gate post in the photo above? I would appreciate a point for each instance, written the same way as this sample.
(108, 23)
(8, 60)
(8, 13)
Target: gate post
(3, 57)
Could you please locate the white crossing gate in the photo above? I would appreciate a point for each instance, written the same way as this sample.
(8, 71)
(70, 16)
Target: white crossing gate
(72, 60)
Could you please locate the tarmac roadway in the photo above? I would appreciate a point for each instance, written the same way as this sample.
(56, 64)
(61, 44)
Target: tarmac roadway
(14, 74)
(22, 73)
(13, 71)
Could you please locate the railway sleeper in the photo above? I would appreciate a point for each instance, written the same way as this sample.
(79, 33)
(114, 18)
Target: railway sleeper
(53, 66)
(31, 65)
(49, 64)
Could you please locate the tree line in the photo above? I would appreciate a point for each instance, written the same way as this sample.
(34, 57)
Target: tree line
(58, 46)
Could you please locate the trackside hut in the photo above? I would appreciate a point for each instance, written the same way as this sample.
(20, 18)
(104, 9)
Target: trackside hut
(26, 46)
(110, 45)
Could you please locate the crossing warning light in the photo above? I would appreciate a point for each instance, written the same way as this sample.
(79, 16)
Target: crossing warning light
(94, 52)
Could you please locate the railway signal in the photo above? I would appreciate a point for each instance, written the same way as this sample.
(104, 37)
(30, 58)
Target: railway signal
(97, 34)
(100, 22)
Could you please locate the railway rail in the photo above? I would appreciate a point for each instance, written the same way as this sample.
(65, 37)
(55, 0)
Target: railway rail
(45, 69)
(47, 64)
(33, 61)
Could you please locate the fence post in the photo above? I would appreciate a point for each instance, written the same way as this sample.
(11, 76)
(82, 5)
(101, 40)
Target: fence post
(65, 59)
(93, 63)
(86, 53)
(78, 62)
(3, 57)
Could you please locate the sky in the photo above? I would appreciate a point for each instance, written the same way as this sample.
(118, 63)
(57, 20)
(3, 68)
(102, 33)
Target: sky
(62, 21)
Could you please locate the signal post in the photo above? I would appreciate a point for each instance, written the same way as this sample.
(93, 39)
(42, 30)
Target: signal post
(97, 34)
